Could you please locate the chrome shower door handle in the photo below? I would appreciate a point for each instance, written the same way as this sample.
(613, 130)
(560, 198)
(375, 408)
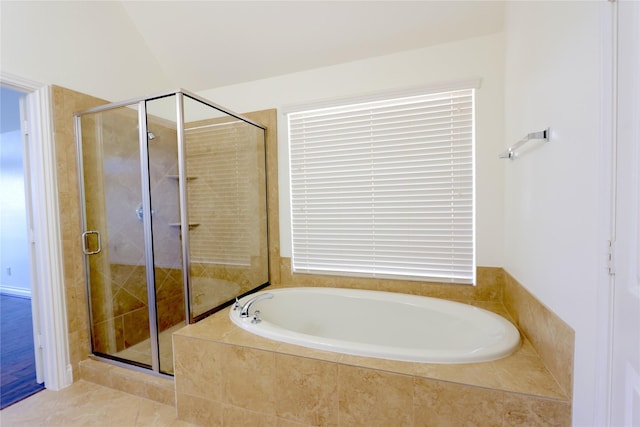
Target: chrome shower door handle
(85, 245)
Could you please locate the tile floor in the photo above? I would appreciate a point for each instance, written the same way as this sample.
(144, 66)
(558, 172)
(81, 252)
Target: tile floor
(88, 404)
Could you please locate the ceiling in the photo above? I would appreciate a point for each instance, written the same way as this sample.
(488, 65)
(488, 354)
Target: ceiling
(209, 44)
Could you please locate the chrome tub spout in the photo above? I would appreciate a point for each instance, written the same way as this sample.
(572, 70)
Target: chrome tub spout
(245, 311)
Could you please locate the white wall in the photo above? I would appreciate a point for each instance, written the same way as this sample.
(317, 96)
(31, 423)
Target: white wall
(481, 57)
(87, 46)
(15, 268)
(555, 204)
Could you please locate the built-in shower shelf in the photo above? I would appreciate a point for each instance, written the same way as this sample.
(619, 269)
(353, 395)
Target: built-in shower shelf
(189, 178)
(177, 224)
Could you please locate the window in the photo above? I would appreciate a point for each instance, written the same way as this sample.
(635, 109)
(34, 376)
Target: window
(385, 188)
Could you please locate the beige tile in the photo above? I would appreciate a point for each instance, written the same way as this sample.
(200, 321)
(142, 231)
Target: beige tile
(552, 338)
(244, 338)
(490, 281)
(142, 384)
(297, 350)
(131, 382)
(306, 390)
(526, 348)
(394, 366)
(96, 372)
(248, 379)
(361, 392)
(84, 404)
(161, 394)
(213, 328)
(281, 422)
(445, 404)
(199, 411)
(521, 410)
(152, 414)
(526, 374)
(475, 374)
(199, 366)
(240, 417)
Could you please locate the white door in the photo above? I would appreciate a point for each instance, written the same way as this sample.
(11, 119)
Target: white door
(625, 380)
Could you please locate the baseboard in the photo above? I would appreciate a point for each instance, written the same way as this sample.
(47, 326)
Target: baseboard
(15, 292)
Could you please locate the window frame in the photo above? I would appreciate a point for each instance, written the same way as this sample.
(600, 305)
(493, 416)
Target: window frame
(471, 85)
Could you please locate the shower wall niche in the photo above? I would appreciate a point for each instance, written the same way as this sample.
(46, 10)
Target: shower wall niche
(173, 191)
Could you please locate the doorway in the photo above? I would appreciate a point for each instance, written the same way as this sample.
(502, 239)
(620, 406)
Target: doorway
(19, 377)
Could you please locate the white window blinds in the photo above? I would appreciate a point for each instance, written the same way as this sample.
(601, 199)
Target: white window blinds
(385, 189)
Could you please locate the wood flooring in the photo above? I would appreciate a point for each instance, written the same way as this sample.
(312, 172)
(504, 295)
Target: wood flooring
(17, 360)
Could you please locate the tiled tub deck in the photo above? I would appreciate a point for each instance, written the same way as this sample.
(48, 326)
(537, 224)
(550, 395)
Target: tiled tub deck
(226, 376)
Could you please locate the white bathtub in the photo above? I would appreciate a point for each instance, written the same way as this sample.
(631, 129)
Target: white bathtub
(381, 324)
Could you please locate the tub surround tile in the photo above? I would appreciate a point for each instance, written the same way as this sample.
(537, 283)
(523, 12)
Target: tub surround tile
(362, 391)
(438, 403)
(521, 410)
(489, 284)
(247, 339)
(249, 378)
(198, 368)
(472, 374)
(199, 411)
(291, 385)
(213, 328)
(223, 379)
(310, 353)
(523, 371)
(306, 390)
(394, 366)
(513, 391)
(280, 422)
(494, 307)
(526, 374)
(552, 338)
(240, 417)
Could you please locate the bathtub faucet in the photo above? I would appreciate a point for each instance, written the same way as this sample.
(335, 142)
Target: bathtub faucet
(246, 308)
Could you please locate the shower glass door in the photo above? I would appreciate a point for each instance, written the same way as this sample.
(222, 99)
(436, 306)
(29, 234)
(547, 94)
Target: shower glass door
(227, 206)
(173, 191)
(162, 143)
(114, 240)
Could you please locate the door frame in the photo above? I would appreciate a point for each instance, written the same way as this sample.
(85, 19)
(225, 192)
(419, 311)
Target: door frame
(605, 393)
(47, 278)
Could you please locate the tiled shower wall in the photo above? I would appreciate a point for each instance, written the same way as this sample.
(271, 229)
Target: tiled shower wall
(125, 275)
(65, 103)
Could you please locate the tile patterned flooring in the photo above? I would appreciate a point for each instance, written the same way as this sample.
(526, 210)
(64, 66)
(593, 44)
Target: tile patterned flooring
(88, 404)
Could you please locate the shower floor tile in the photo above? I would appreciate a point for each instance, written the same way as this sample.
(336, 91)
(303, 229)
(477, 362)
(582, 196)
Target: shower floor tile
(141, 352)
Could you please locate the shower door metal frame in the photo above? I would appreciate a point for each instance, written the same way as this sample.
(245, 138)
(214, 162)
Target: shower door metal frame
(146, 208)
(148, 236)
(146, 221)
(184, 206)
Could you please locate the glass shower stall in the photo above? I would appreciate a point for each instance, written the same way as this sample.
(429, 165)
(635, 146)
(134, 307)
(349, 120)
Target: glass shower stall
(174, 215)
